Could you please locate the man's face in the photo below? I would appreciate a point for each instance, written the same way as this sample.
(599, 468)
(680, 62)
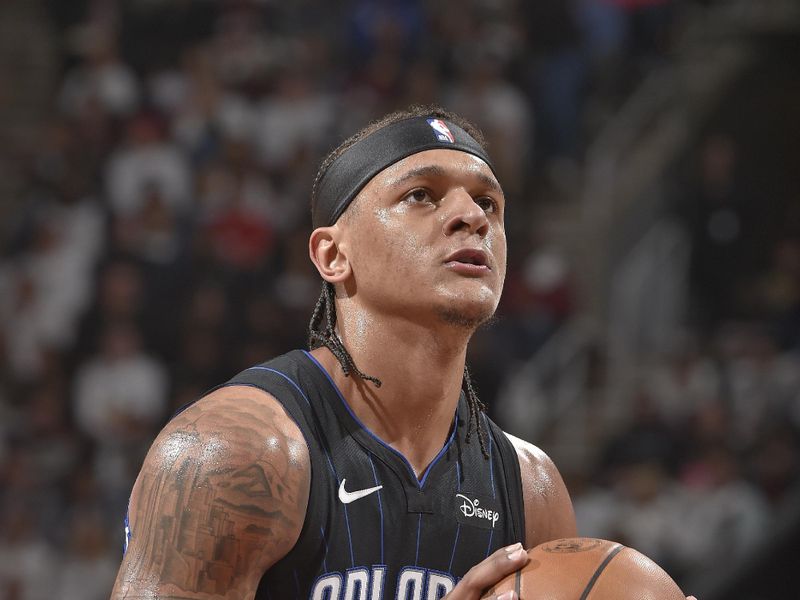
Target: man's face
(425, 237)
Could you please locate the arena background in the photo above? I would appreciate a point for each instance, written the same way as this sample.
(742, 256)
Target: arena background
(155, 169)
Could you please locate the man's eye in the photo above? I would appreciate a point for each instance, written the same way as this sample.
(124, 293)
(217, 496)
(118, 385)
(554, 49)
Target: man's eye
(419, 195)
(486, 203)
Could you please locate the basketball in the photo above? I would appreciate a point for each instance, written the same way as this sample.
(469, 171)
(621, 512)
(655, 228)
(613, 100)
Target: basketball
(588, 569)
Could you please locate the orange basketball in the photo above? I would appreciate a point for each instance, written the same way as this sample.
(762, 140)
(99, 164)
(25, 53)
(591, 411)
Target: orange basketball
(589, 569)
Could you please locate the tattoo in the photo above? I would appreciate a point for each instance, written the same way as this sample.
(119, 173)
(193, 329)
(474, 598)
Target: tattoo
(221, 497)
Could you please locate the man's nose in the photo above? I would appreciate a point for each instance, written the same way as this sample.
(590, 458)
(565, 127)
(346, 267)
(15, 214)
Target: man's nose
(464, 213)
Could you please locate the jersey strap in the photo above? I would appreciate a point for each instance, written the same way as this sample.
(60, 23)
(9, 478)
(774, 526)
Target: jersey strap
(513, 477)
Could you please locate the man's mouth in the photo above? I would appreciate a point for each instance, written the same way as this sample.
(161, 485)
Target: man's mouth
(469, 261)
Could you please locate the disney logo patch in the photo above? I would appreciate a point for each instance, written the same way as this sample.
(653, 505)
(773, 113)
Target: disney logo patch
(476, 511)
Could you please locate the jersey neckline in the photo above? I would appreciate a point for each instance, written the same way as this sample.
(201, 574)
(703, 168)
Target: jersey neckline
(368, 434)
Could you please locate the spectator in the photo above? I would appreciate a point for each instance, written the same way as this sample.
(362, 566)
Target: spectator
(121, 392)
(241, 50)
(538, 297)
(717, 215)
(558, 74)
(777, 292)
(89, 568)
(683, 382)
(25, 556)
(153, 233)
(775, 463)
(53, 448)
(120, 397)
(120, 296)
(201, 111)
(763, 384)
(102, 80)
(25, 336)
(146, 162)
(725, 515)
(650, 511)
(49, 285)
(297, 117)
(503, 113)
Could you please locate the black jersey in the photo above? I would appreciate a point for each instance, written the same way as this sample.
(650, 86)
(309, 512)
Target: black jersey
(373, 530)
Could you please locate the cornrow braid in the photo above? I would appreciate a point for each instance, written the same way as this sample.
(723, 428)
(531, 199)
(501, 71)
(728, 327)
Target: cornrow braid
(327, 337)
(325, 309)
(476, 407)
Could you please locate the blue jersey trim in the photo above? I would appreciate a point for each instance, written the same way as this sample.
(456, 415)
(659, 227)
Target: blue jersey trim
(455, 545)
(419, 534)
(489, 545)
(380, 503)
(325, 556)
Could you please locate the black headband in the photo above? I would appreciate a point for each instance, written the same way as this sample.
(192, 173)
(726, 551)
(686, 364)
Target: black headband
(353, 169)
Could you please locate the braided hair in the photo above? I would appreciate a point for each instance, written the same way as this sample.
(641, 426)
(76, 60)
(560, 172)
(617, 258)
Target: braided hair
(322, 327)
(327, 336)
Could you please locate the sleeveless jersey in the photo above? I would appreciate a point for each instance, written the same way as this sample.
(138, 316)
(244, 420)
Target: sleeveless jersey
(373, 530)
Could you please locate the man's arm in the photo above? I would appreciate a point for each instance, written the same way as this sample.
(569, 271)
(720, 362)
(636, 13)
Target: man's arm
(548, 508)
(221, 497)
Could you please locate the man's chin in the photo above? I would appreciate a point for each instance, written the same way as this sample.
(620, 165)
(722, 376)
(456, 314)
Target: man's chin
(466, 318)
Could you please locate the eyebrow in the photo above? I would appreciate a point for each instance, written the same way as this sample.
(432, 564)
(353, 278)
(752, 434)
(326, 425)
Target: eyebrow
(438, 171)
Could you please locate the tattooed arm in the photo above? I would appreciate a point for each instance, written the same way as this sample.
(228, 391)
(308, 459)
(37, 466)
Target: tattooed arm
(221, 497)
(548, 508)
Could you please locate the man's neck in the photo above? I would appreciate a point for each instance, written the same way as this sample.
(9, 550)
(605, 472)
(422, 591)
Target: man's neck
(421, 371)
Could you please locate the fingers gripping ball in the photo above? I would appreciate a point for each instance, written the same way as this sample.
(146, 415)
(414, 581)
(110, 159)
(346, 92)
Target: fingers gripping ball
(588, 569)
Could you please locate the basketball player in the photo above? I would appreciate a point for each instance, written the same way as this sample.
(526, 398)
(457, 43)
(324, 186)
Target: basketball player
(364, 469)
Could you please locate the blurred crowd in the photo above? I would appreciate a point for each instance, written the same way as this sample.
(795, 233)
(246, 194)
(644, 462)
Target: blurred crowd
(698, 469)
(698, 466)
(160, 246)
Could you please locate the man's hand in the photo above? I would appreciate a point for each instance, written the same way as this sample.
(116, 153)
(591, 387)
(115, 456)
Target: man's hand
(488, 572)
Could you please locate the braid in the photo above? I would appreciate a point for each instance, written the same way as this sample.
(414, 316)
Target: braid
(317, 336)
(476, 407)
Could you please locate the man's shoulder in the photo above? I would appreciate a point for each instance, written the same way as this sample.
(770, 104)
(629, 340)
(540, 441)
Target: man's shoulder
(531, 458)
(237, 452)
(537, 469)
(530, 455)
(233, 429)
(548, 508)
(237, 412)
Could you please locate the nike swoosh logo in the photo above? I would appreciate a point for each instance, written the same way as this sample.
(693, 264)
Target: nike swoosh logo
(348, 497)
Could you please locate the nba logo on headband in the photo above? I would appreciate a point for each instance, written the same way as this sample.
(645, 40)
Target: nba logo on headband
(441, 130)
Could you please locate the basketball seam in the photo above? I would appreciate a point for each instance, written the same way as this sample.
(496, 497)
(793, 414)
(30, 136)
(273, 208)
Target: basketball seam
(599, 570)
(517, 582)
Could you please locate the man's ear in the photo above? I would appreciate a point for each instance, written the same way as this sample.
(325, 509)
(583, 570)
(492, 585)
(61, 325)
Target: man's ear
(328, 255)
